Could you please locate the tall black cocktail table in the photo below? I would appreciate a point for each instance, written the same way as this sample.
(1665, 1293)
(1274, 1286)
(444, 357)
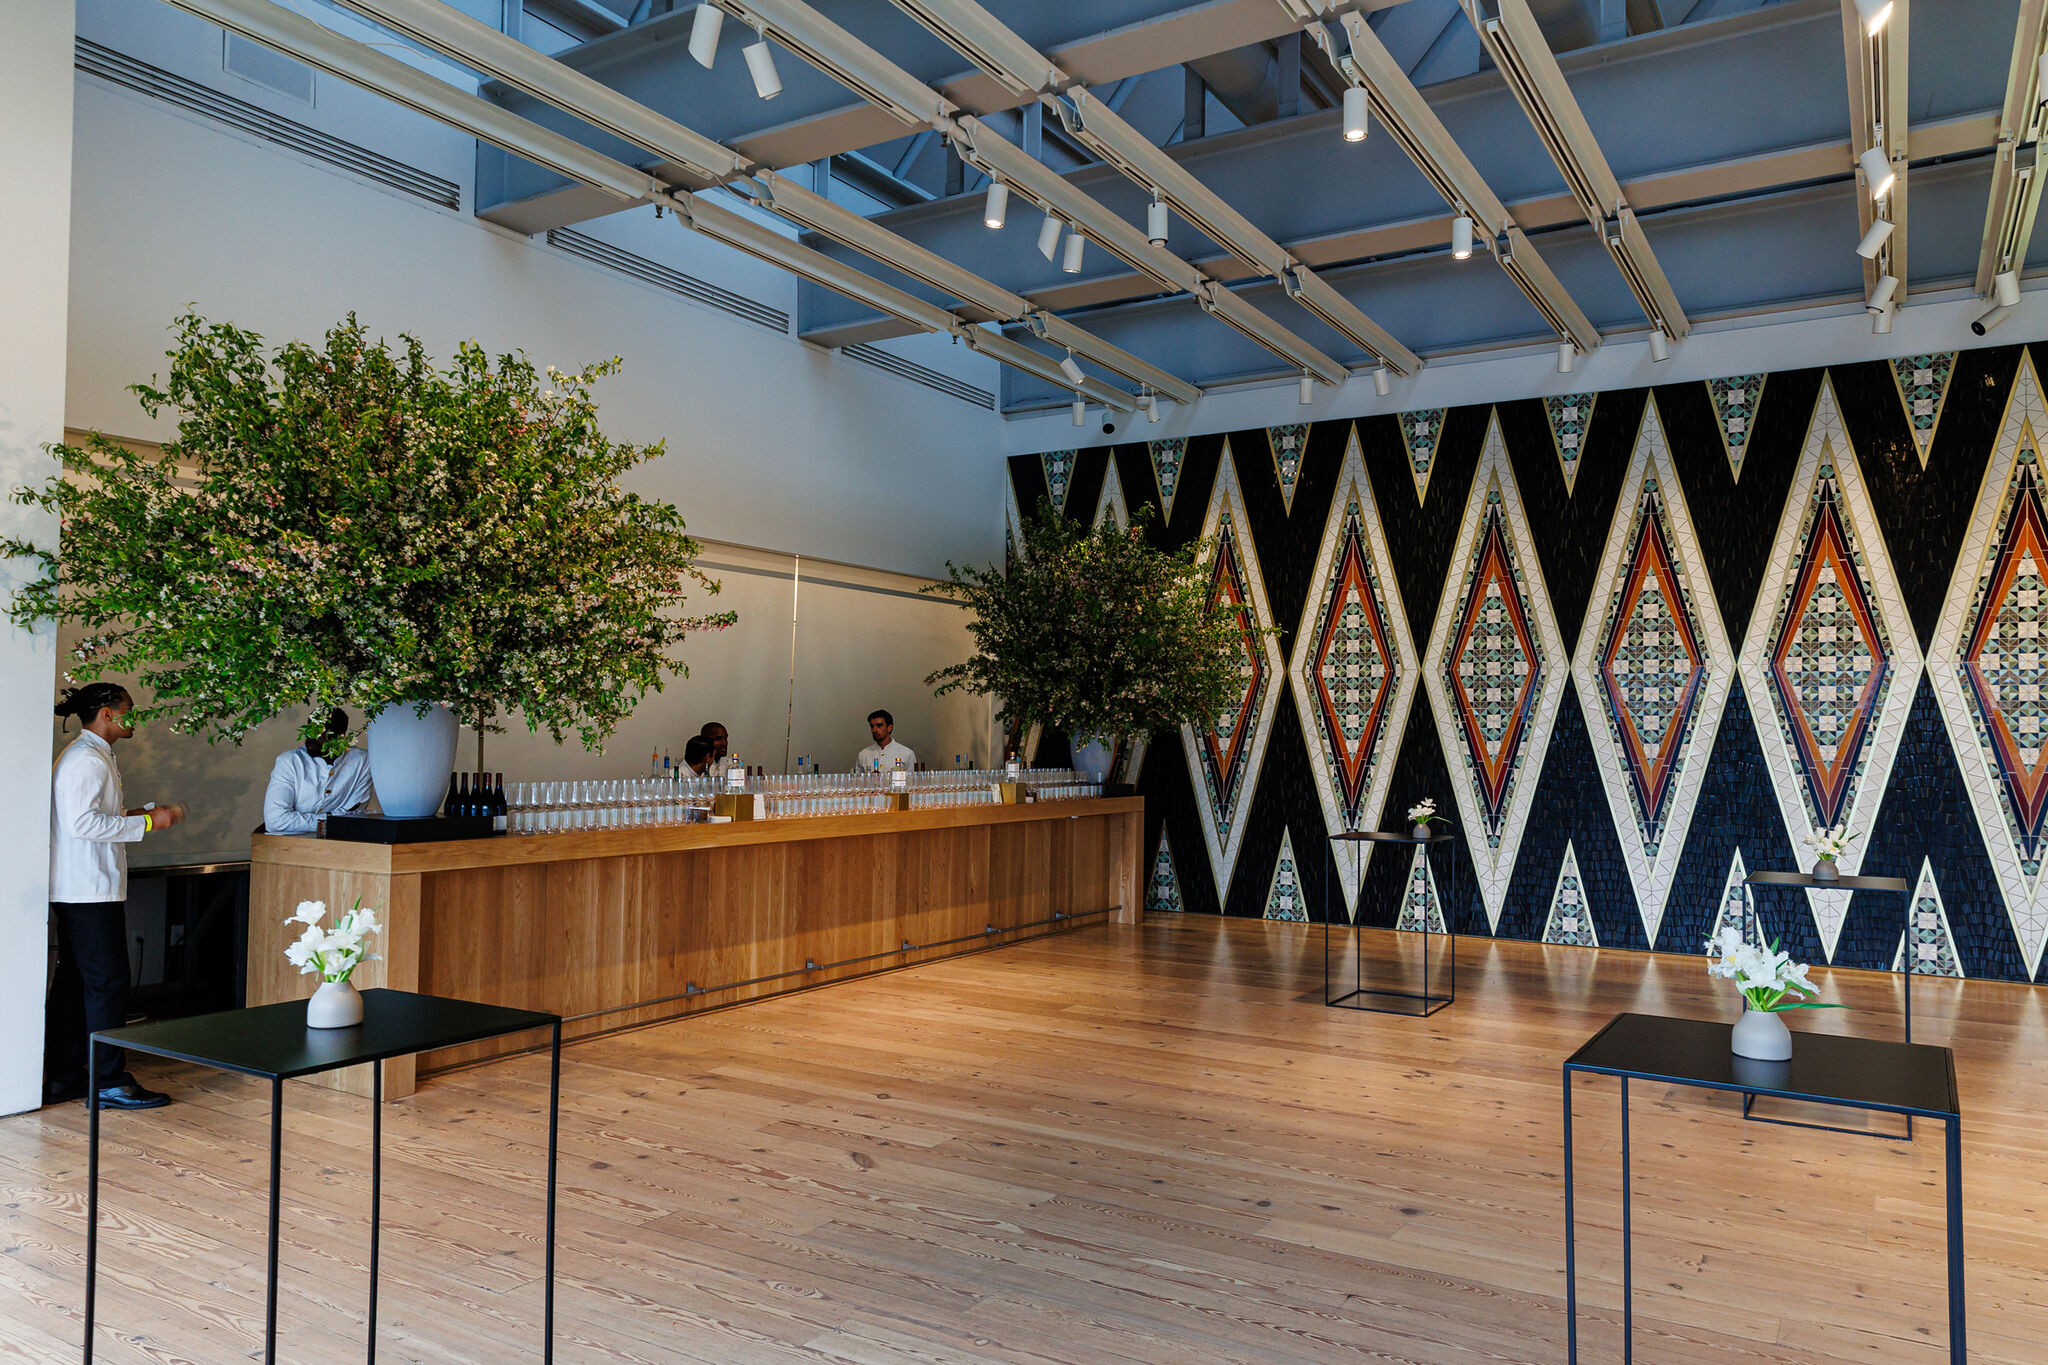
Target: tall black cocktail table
(273, 1042)
(1855, 1073)
(1417, 1004)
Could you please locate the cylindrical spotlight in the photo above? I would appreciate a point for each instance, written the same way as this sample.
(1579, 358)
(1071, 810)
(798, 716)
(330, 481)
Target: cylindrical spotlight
(1382, 382)
(1151, 407)
(1991, 319)
(998, 207)
(1660, 346)
(1873, 13)
(705, 27)
(1155, 223)
(1874, 240)
(1567, 357)
(1080, 412)
(1461, 237)
(1881, 321)
(761, 66)
(1071, 261)
(1881, 293)
(1308, 388)
(1049, 236)
(1877, 172)
(1354, 113)
(2005, 288)
(2041, 78)
(1071, 369)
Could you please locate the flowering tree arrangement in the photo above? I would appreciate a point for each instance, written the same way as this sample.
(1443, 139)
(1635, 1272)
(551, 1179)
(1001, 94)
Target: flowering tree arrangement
(1831, 844)
(335, 952)
(1770, 981)
(1096, 631)
(350, 524)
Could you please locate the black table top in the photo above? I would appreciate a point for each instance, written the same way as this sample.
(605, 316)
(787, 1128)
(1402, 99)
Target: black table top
(1841, 883)
(1383, 836)
(1862, 1073)
(273, 1041)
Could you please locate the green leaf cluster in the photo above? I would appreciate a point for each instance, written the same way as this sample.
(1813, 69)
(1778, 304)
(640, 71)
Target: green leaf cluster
(350, 524)
(1097, 631)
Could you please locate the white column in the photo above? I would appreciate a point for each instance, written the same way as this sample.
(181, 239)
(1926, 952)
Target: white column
(35, 233)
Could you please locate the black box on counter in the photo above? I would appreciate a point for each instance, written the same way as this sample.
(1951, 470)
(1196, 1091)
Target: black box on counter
(429, 829)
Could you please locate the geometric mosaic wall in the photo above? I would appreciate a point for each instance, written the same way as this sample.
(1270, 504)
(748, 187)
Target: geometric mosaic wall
(1631, 642)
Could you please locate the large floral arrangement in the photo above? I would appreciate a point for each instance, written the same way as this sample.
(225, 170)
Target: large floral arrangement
(351, 525)
(1097, 631)
(1770, 981)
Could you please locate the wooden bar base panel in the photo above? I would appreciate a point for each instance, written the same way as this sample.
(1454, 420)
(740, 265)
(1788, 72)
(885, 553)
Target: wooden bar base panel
(617, 927)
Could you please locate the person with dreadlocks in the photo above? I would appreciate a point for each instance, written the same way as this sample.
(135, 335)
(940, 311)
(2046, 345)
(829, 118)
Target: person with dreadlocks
(90, 832)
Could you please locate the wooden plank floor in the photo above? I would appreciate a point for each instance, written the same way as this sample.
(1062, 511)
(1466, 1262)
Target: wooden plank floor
(1145, 1144)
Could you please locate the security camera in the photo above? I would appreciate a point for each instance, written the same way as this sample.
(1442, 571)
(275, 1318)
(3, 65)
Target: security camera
(1109, 428)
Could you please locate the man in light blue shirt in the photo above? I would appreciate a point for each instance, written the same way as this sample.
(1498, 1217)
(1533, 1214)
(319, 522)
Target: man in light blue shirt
(306, 787)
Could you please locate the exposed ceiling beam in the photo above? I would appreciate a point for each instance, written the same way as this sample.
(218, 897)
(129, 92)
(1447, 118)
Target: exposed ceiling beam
(1519, 50)
(1876, 65)
(298, 37)
(993, 46)
(2016, 177)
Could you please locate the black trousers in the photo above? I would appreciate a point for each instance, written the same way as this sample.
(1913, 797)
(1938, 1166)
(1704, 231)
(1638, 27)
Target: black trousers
(90, 992)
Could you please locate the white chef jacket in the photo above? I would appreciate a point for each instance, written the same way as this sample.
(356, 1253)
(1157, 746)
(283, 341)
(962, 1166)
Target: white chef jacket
(888, 756)
(88, 833)
(303, 788)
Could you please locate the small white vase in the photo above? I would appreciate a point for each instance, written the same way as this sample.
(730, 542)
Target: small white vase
(337, 1004)
(1824, 870)
(1419, 832)
(1762, 1035)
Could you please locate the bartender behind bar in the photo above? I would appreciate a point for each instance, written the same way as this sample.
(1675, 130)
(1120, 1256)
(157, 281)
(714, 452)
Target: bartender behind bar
(305, 787)
(885, 753)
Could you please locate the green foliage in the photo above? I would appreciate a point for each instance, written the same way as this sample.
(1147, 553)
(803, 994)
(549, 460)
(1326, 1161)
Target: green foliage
(351, 525)
(1096, 631)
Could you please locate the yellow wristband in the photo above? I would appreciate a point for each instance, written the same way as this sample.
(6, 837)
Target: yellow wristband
(148, 823)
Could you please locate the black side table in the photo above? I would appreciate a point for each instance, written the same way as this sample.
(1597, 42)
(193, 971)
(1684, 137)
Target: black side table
(1897, 886)
(1856, 1073)
(273, 1042)
(1425, 1002)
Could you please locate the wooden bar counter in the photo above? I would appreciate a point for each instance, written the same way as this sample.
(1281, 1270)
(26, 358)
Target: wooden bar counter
(690, 917)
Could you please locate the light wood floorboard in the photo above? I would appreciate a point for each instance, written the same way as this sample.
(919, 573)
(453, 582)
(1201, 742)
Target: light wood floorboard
(1125, 1144)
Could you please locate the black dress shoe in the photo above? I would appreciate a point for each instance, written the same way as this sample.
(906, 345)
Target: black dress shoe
(131, 1095)
(63, 1093)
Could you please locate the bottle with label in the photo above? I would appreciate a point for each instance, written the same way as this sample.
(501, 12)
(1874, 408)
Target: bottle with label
(735, 775)
(500, 811)
(1013, 771)
(899, 778)
(458, 801)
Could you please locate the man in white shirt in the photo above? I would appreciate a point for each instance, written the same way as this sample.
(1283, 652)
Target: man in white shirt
(90, 832)
(305, 787)
(885, 753)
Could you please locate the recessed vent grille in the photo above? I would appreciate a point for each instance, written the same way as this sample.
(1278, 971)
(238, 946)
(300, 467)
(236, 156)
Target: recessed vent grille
(141, 77)
(664, 277)
(919, 374)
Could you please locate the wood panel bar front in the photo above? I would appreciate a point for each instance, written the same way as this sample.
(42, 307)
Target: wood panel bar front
(629, 926)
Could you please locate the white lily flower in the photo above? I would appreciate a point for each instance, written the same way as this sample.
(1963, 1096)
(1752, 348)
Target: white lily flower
(309, 912)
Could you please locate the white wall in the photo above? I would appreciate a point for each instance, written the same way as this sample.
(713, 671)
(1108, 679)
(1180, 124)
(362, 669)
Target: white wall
(35, 223)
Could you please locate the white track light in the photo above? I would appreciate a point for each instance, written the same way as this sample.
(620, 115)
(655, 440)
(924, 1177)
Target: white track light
(761, 66)
(1567, 357)
(998, 207)
(1881, 321)
(1354, 113)
(704, 30)
(2005, 288)
(1151, 407)
(1155, 223)
(1080, 412)
(1660, 346)
(1071, 261)
(1382, 383)
(1873, 13)
(1991, 319)
(1881, 293)
(1877, 172)
(1071, 369)
(1461, 237)
(2041, 78)
(1874, 240)
(1308, 388)
(1049, 236)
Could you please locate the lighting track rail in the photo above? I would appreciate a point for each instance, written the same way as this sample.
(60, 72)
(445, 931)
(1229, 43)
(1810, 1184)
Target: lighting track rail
(1874, 38)
(2017, 170)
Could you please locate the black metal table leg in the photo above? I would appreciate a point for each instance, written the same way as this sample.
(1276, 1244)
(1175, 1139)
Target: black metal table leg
(1958, 1348)
(1571, 1241)
(92, 1189)
(554, 1143)
(376, 1195)
(1628, 1298)
(276, 1151)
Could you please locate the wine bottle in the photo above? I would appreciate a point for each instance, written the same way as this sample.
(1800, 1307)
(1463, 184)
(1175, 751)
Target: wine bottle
(458, 805)
(449, 807)
(500, 811)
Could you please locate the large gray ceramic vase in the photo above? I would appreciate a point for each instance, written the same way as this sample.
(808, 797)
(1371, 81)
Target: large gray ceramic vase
(411, 756)
(1092, 755)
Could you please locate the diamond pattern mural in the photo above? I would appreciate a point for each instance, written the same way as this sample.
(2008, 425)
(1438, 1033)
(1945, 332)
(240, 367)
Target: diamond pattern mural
(1923, 387)
(1059, 475)
(1653, 670)
(1420, 431)
(1227, 754)
(1988, 663)
(1283, 893)
(1110, 506)
(1354, 669)
(1422, 909)
(1735, 903)
(1735, 401)
(1288, 445)
(1495, 670)
(1927, 946)
(1570, 921)
(1162, 888)
(1831, 660)
(1167, 458)
(1571, 417)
